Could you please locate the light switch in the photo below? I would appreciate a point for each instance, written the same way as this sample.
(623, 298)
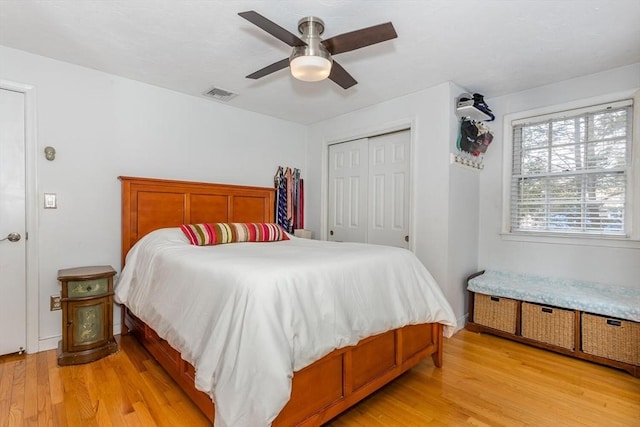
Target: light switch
(50, 201)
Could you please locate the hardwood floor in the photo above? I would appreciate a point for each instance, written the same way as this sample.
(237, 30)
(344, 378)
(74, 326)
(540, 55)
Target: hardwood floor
(485, 381)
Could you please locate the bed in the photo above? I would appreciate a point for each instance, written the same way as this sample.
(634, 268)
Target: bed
(320, 384)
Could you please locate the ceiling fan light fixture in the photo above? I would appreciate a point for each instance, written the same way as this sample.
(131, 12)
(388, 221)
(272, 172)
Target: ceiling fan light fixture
(310, 68)
(311, 62)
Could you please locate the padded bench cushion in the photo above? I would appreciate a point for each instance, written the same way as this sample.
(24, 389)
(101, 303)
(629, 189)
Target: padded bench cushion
(597, 298)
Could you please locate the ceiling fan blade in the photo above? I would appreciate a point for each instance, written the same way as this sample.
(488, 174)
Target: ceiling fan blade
(272, 28)
(340, 76)
(360, 38)
(270, 69)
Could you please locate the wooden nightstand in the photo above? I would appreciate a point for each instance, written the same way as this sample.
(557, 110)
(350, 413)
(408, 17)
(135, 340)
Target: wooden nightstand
(87, 314)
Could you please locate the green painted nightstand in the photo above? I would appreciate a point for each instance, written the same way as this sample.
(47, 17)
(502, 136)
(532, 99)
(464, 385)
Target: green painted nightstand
(87, 314)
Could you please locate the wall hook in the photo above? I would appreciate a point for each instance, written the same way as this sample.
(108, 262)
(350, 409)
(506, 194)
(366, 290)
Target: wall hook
(49, 153)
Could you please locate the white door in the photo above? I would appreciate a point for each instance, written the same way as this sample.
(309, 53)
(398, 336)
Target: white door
(348, 179)
(12, 222)
(388, 204)
(369, 190)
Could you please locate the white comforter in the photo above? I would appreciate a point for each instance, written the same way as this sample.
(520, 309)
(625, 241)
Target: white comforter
(247, 315)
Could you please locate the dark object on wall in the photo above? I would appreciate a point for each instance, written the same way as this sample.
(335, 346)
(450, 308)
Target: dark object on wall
(50, 153)
(289, 204)
(478, 102)
(466, 102)
(474, 137)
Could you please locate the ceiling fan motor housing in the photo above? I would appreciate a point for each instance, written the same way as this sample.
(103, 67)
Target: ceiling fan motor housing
(317, 59)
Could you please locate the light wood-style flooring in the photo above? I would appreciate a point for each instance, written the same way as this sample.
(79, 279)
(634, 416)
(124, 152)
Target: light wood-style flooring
(485, 381)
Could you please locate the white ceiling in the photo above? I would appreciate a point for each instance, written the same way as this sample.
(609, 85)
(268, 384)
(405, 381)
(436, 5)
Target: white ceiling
(493, 47)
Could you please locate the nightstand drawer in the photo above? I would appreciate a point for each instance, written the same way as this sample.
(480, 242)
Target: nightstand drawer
(88, 288)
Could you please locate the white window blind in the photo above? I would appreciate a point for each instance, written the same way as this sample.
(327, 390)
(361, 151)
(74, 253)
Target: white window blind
(570, 171)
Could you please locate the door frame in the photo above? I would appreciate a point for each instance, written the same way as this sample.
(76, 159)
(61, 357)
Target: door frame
(31, 210)
(402, 124)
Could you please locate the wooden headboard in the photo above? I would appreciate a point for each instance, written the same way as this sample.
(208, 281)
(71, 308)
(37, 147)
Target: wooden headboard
(149, 204)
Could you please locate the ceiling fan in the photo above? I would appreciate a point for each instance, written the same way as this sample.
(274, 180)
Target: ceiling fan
(311, 58)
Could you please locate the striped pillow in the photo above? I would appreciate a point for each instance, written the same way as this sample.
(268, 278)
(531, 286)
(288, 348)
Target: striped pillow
(222, 232)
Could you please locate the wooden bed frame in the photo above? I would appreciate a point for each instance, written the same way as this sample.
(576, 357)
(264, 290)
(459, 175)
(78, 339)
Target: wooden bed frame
(320, 391)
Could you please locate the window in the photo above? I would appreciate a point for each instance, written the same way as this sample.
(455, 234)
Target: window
(570, 171)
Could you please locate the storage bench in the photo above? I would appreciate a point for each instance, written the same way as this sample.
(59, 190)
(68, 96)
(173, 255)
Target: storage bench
(587, 320)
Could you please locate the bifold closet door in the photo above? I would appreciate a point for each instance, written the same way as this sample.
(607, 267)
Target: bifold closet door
(369, 190)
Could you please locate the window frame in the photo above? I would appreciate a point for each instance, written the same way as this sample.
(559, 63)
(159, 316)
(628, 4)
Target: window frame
(632, 202)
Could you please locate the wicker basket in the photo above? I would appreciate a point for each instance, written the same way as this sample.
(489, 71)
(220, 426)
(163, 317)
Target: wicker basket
(549, 325)
(495, 312)
(611, 338)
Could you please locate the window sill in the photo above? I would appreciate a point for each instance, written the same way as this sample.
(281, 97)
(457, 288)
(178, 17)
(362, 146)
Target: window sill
(566, 239)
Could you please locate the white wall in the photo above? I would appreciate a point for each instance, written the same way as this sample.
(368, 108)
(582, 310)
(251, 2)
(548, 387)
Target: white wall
(430, 114)
(103, 126)
(464, 186)
(618, 266)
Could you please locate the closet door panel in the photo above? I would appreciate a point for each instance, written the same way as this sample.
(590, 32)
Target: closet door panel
(348, 181)
(389, 189)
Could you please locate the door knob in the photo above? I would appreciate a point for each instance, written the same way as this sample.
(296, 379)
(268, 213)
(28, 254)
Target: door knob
(12, 237)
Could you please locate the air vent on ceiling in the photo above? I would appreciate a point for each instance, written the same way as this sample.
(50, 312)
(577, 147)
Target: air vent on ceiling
(220, 94)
